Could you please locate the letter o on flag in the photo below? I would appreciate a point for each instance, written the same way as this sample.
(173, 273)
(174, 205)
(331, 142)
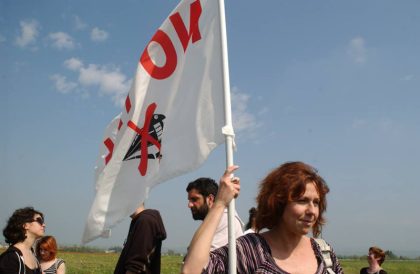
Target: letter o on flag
(168, 68)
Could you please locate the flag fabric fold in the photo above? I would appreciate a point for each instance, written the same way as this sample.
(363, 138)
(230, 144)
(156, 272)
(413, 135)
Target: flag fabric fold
(172, 117)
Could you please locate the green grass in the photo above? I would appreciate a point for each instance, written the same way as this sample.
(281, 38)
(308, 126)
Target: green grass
(104, 263)
(101, 263)
(85, 263)
(397, 267)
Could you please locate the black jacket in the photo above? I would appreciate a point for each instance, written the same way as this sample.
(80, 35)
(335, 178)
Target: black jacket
(11, 262)
(141, 252)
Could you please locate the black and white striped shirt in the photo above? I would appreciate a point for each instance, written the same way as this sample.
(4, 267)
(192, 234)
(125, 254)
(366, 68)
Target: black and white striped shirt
(53, 268)
(254, 256)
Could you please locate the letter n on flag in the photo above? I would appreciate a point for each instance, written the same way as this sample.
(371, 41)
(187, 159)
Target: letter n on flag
(172, 118)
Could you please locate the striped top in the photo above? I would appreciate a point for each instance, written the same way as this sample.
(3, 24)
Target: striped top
(254, 256)
(53, 268)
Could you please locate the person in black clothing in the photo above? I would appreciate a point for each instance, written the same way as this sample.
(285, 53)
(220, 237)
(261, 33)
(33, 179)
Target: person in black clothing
(252, 224)
(375, 259)
(142, 248)
(23, 228)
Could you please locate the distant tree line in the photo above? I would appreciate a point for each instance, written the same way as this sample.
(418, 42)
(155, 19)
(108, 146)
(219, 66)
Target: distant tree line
(83, 249)
(117, 249)
(389, 256)
(113, 249)
(171, 252)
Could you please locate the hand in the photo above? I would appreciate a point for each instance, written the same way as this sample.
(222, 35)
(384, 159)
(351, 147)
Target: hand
(229, 186)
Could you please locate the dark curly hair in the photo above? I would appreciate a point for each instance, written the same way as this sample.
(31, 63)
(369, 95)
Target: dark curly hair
(284, 184)
(14, 231)
(252, 215)
(204, 186)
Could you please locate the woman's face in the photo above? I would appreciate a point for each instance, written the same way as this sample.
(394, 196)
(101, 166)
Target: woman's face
(44, 253)
(36, 227)
(299, 216)
(371, 257)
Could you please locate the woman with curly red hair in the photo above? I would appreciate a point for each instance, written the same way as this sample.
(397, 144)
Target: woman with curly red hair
(290, 204)
(46, 248)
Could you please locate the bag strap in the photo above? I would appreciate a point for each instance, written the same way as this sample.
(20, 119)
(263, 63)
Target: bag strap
(326, 254)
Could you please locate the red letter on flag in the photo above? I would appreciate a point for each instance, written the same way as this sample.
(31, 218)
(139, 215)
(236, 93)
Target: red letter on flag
(170, 64)
(165, 42)
(181, 30)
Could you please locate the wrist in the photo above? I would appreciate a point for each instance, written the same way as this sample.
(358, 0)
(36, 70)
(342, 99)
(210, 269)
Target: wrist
(219, 205)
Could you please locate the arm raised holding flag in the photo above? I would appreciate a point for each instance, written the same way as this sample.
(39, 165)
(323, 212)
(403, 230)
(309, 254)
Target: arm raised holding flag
(199, 249)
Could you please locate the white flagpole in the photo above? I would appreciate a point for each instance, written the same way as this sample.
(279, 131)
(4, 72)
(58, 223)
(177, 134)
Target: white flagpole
(228, 131)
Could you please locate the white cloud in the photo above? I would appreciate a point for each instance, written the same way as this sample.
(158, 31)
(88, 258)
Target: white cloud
(108, 79)
(98, 35)
(62, 40)
(380, 126)
(79, 24)
(62, 85)
(386, 125)
(359, 123)
(243, 120)
(73, 64)
(29, 31)
(357, 50)
(408, 77)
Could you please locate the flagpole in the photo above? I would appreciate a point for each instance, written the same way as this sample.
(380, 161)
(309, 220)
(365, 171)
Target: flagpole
(228, 131)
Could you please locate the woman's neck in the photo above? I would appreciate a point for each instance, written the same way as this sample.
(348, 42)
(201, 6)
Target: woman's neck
(26, 245)
(288, 241)
(374, 267)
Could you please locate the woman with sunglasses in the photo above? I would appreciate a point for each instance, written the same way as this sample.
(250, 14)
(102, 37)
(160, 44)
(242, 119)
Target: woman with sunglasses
(46, 249)
(23, 228)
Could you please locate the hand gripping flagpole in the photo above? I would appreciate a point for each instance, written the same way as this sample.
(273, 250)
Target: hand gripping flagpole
(228, 132)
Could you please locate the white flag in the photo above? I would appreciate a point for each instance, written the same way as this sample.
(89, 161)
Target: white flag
(172, 118)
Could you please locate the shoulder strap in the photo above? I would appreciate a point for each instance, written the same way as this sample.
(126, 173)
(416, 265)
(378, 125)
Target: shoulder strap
(58, 262)
(326, 254)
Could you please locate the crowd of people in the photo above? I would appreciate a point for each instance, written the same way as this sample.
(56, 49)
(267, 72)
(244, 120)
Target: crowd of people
(281, 235)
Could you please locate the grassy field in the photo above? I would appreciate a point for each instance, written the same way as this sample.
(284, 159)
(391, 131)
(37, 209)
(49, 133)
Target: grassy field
(84, 263)
(392, 267)
(101, 263)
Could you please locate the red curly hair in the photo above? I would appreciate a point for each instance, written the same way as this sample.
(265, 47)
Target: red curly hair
(284, 184)
(49, 246)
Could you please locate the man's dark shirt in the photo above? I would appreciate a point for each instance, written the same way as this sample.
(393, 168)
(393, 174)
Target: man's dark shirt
(141, 252)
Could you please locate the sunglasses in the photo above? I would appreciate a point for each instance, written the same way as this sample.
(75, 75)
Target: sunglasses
(39, 220)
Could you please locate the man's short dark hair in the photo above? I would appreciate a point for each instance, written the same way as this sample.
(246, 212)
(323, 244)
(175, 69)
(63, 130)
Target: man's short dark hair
(204, 186)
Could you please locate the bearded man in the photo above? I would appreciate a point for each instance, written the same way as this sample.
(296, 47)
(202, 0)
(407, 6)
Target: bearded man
(201, 195)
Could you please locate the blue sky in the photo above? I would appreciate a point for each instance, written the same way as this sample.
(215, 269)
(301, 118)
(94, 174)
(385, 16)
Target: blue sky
(331, 83)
